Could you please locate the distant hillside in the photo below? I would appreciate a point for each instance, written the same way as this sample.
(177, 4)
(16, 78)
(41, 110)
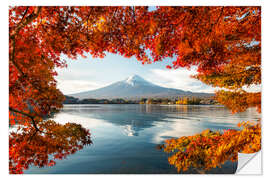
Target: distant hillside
(135, 87)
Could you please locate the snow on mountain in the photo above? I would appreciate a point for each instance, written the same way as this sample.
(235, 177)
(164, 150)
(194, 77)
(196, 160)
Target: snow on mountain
(137, 80)
(134, 87)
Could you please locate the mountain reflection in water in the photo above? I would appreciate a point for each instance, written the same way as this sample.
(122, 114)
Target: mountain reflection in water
(125, 136)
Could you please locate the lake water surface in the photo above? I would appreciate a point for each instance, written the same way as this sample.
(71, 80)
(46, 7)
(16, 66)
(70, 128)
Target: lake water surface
(125, 136)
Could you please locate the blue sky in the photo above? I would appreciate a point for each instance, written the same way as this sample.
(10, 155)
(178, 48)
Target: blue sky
(91, 73)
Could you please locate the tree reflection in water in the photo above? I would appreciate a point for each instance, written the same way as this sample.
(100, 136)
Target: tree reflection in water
(29, 146)
(210, 149)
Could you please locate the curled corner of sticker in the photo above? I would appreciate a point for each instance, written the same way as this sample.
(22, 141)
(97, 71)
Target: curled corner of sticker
(249, 163)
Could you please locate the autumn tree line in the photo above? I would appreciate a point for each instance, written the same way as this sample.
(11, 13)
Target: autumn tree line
(184, 100)
(165, 101)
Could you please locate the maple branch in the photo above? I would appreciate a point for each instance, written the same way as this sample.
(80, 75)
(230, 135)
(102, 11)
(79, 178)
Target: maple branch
(21, 112)
(220, 15)
(212, 25)
(24, 14)
(22, 24)
(15, 64)
(30, 18)
(134, 14)
(26, 114)
(31, 137)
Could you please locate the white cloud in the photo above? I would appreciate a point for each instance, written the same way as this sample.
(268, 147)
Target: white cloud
(76, 80)
(74, 74)
(86, 122)
(179, 79)
(75, 86)
(176, 128)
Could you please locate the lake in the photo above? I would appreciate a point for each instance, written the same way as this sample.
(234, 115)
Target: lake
(125, 136)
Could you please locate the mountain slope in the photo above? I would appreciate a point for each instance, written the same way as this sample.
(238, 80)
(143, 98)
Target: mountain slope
(133, 87)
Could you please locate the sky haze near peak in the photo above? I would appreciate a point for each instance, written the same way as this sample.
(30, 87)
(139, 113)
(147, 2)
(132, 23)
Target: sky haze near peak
(90, 73)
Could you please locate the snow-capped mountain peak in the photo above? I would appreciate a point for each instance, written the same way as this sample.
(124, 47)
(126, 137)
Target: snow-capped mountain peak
(133, 87)
(135, 79)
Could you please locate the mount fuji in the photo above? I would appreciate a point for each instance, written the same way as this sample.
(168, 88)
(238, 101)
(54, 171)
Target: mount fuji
(134, 87)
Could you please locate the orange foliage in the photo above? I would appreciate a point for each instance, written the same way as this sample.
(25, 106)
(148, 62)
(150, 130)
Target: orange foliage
(224, 43)
(31, 147)
(211, 149)
(240, 101)
(182, 100)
